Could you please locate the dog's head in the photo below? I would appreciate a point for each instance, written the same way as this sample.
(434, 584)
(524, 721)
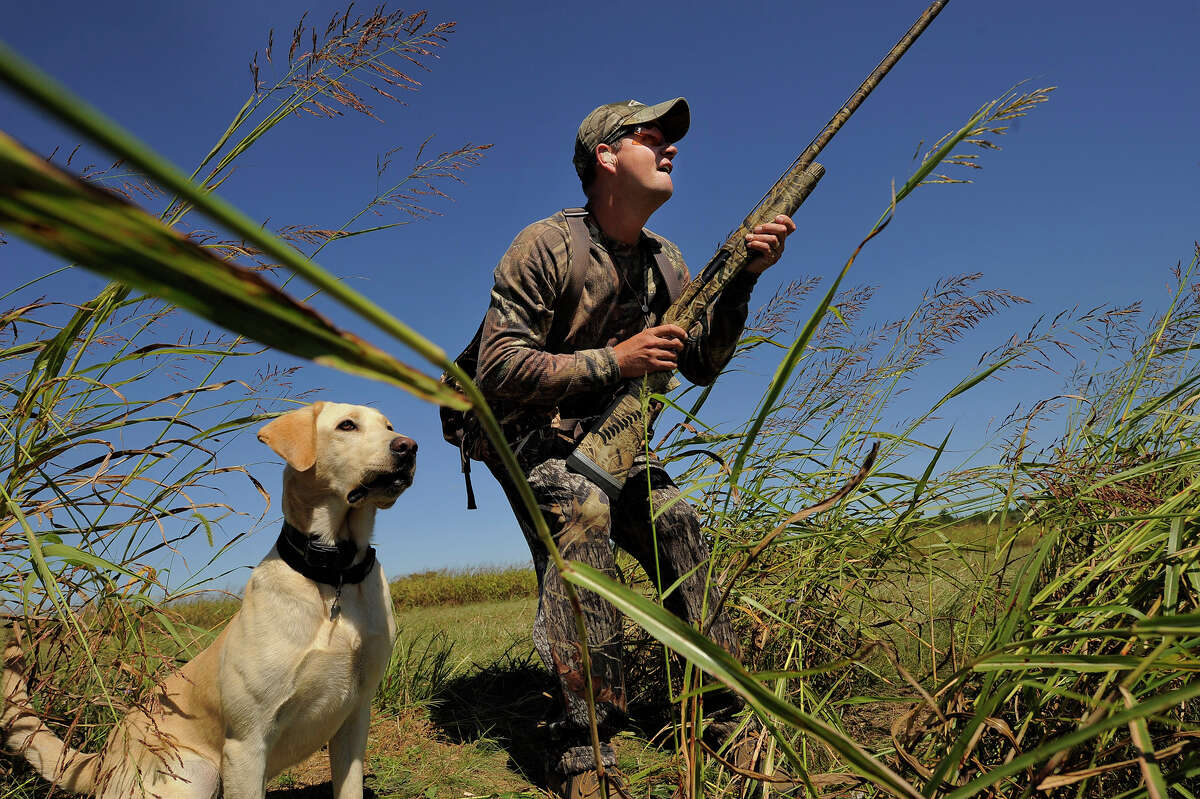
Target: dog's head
(350, 451)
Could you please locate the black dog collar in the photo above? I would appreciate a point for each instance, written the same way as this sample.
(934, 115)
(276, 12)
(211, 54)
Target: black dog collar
(320, 562)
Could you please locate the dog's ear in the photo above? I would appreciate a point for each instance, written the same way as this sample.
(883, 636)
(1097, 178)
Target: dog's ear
(293, 436)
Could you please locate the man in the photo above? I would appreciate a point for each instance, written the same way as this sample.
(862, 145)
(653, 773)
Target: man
(548, 378)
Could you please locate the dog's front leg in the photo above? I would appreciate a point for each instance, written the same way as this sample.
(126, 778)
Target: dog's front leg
(244, 768)
(347, 750)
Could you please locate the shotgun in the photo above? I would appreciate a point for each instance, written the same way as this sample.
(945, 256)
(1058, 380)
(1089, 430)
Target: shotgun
(608, 449)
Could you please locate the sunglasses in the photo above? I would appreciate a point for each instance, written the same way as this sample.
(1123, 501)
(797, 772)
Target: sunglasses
(646, 135)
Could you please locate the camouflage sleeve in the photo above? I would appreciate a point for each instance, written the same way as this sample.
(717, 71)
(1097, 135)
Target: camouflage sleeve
(712, 341)
(514, 363)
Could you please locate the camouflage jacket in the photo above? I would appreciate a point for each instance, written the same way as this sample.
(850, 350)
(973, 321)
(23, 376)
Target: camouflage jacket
(529, 378)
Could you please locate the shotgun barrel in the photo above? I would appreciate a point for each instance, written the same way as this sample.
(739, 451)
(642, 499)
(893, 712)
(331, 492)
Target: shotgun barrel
(609, 448)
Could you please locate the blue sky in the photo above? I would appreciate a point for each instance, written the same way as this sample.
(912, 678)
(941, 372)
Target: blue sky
(1091, 201)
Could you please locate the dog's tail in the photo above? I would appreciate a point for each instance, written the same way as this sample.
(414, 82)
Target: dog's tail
(27, 735)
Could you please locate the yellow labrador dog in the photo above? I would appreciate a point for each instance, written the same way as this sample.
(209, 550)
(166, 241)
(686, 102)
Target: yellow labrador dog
(294, 669)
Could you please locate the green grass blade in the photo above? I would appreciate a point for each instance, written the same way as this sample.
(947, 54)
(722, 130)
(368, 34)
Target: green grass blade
(1082, 664)
(1139, 733)
(674, 633)
(113, 237)
(1173, 571)
(55, 99)
(919, 488)
(78, 557)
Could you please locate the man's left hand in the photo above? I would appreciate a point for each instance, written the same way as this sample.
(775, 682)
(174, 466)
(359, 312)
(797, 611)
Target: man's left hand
(767, 240)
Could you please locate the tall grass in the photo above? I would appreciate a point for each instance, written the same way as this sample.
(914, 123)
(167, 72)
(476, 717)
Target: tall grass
(115, 418)
(419, 669)
(891, 647)
(1022, 626)
(1087, 678)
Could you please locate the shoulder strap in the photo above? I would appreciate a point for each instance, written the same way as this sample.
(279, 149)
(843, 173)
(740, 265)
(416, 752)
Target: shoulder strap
(666, 270)
(579, 240)
(564, 311)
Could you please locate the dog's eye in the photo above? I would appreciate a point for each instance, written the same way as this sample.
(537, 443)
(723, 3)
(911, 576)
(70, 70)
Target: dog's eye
(348, 424)
(390, 430)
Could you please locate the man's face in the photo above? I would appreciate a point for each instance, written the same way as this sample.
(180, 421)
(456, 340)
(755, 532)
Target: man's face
(644, 163)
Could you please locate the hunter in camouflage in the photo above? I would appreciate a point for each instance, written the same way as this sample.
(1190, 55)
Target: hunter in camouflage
(546, 390)
(533, 378)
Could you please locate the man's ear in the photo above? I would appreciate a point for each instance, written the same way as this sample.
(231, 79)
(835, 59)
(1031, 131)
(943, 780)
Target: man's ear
(293, 436)
(605, 156)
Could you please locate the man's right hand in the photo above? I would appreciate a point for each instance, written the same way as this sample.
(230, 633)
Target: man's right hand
(655, 349)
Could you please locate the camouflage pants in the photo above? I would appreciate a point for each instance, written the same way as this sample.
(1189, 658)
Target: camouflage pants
(582, 521)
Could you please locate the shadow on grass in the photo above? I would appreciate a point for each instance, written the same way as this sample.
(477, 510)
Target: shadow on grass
(506, 702)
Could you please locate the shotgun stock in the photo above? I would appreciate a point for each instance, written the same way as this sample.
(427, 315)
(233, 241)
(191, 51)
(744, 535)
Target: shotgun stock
(607, 451)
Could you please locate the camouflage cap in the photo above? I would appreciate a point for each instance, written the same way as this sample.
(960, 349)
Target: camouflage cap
(672, 116)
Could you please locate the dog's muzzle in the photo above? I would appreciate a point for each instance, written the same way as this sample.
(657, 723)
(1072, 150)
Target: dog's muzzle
(391, 483)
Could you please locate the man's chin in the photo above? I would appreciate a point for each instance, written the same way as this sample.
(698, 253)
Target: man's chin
(663, 191)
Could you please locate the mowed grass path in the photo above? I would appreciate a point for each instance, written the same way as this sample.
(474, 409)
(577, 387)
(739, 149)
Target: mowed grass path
(481, 632)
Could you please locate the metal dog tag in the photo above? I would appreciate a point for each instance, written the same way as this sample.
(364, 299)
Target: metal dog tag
(335, 609)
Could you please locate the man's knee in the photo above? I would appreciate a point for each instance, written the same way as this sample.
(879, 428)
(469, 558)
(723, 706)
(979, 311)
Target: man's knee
(576, 510)
(673, 514)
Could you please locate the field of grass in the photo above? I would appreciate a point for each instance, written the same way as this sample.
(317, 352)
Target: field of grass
(442, 587)
(461, 709)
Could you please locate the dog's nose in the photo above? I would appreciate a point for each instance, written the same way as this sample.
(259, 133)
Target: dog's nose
(403, 446)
